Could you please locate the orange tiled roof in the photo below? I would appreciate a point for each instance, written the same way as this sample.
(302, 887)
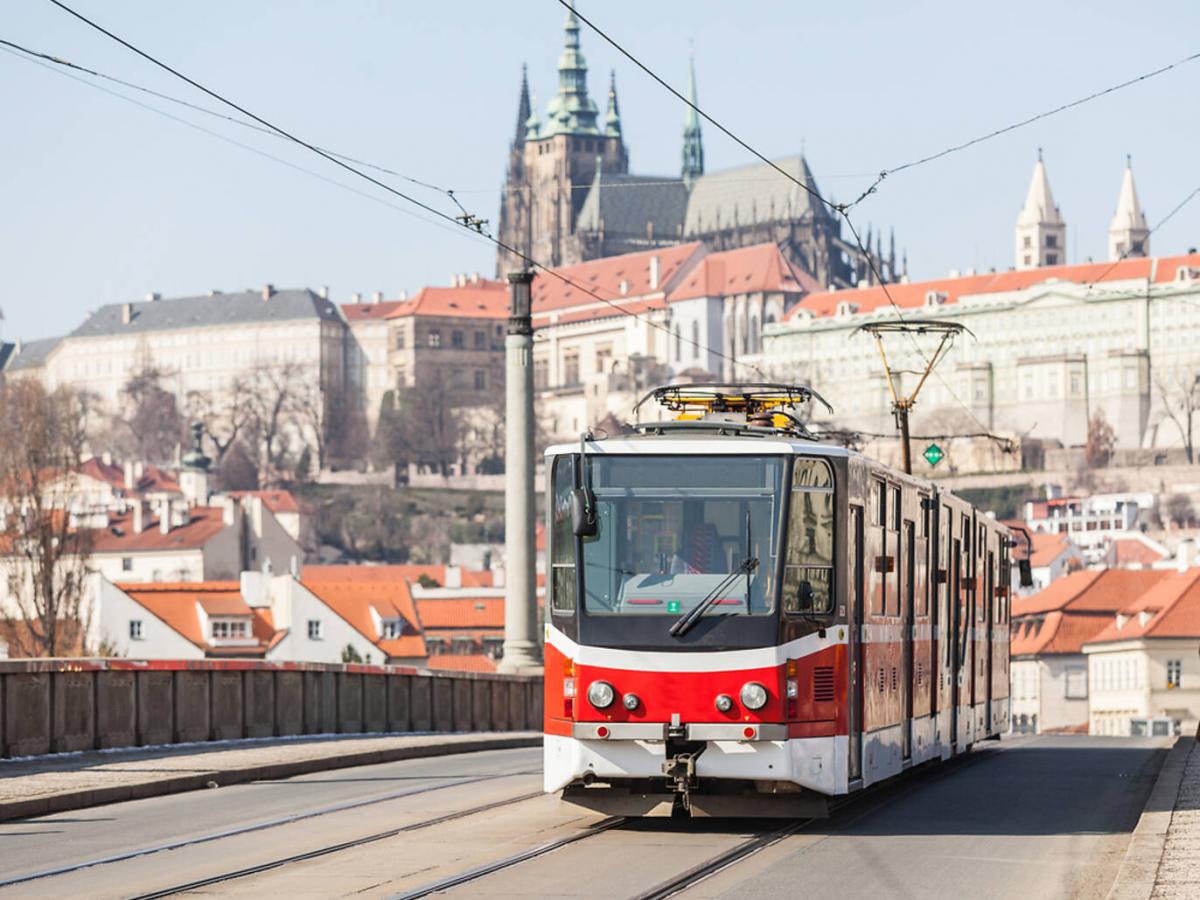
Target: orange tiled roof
(1088, 591)
(456, 662)
(1046, 548)
(1133, 551)
(1058, 632)
(484, 299)
(119, 537)
(224, 604)
(175, 604)
(354, 599)
(409, 572)
(1161, 269)
(362, 312)
(747, 270)
(276, 501)
(605, 276)
(1171, 608)
(110, 473)
(461, 612)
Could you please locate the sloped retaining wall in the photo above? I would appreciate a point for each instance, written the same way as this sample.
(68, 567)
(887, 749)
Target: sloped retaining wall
(56, 705)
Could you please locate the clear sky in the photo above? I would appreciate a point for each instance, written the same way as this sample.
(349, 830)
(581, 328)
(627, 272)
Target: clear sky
(104, 201)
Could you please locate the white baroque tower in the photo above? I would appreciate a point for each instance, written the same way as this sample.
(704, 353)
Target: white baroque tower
(1128, 234)
(1041, 231)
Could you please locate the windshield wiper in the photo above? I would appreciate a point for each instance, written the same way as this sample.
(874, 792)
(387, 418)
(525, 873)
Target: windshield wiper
(692, 616)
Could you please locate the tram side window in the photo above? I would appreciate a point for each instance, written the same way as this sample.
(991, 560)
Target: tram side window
(879, 507)
(562, 539)
(808, 567)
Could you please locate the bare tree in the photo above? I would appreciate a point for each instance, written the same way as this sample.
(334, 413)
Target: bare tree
(223, 413)
(273, 425)
(1100, 441)
(150, 415)
(41, 444)
(1180, 396)
(1179, 510)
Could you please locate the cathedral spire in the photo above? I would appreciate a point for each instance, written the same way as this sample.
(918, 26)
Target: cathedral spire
(693, 148)
(571, 111)
(1041, 232)
(523, 108)
(1128, 235)
(612, 118)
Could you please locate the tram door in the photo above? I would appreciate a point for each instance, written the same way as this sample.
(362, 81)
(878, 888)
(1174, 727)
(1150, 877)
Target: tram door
(908, 580)
(956, 629)
(854, 591)
(989, 620)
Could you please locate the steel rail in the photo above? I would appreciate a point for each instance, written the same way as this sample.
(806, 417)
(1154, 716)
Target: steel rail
(485, 869)
(248, 829)
(335, 848)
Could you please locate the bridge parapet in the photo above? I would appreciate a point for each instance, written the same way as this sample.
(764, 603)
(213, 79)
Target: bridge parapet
(60, 705)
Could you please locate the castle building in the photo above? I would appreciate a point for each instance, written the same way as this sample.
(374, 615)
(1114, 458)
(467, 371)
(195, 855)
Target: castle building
(569, 196)
(1128, 235)
(1041, 229)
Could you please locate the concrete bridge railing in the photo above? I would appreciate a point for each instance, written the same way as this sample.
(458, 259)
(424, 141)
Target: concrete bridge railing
(60, 705)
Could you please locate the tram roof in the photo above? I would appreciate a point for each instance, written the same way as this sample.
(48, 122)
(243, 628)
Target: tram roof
(708, 444)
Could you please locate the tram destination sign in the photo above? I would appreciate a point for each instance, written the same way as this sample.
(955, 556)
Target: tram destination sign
(933, 454)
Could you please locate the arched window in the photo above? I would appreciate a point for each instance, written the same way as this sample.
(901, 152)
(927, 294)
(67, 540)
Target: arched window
(754, 345)
(678, 344)
(695, 339)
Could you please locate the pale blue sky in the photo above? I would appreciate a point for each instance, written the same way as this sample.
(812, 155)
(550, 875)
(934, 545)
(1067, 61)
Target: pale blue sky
(104, 201)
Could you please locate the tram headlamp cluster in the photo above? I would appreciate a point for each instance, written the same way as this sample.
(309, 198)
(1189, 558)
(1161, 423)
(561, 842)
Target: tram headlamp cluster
(723, 703)
(631, 701)
(754, 695)
(601, 694)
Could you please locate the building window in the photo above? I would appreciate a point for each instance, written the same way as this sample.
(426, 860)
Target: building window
(603, 358)
(315, 630)
(1052, 259)
(1174, 672)
(570, 373)
(456, 339)
(126, 564)
(1027, 243)
(480, 340)
(135, 629)
(1052, 240)
(391, 629)
(678, 343)
(399, 338)
(435, 339)
(541, 374)
(480, 380)
(695, 340)
(435, 646)
(1028, 259)
(224, 629)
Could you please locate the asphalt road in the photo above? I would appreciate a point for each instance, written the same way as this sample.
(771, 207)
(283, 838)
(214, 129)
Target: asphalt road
(1028, 818)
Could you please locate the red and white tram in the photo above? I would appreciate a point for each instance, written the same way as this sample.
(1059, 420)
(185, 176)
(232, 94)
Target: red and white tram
(742, 620)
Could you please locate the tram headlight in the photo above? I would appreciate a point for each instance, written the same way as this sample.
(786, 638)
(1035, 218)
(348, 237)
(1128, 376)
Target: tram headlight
(723, 703)
(601, 694)
(631, 701)
(754, 695)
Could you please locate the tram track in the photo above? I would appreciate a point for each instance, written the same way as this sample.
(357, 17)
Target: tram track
(270, 824)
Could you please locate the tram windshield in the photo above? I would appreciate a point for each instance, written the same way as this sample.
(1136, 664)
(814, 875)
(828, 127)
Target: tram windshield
(677, 532)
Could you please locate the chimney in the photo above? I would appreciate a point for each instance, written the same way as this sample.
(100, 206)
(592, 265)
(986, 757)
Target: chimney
(153, 297)
(356, 298)
(453, 577)
(654, 273)
(268, 290)
(474, 278)
(139, 517)
(1184, 554)
(213, 292)
(403, 295)
(130, 484)
(323, 293)
(106, 458)
(164, 517)
(126, 313)
(377, 297)
(139, 469)
(228, 511)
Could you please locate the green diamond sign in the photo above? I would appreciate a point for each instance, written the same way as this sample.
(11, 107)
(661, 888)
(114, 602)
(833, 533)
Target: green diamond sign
(933, 454)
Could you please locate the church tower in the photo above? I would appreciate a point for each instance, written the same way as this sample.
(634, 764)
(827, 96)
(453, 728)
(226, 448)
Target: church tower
(693, 149)
(1041, 232)
(1128, 234)
(554, 161)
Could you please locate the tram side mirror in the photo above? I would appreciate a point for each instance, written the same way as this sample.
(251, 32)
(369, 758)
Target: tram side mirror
(1025, 572)
(583, 513)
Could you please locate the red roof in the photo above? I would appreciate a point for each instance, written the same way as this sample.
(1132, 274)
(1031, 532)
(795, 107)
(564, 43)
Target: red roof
(1046, 548)
(275, 501)
(1100, 591)
(461, 612)
(910, 296)
(747, 270)
(119, 537)
(1134, 551)
(606, 276)
(362, 312)
(175, 603)
(461, 662)
(97, 468)
(355, 599)
(483, 299)
(1058, 632)
(1170, 609)
(405, 572)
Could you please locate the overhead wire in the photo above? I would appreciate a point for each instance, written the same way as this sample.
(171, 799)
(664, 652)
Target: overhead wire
(840, 209)
(467, 220)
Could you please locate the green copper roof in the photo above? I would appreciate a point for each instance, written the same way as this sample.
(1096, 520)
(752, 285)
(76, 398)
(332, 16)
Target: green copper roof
(571, 111)
(693, 149)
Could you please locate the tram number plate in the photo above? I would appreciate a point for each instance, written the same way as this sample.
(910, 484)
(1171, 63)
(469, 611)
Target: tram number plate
(673, 606)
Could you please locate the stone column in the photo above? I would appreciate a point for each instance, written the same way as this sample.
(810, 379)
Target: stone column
(521, 650)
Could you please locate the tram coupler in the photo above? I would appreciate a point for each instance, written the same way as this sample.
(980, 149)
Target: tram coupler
(680, 772)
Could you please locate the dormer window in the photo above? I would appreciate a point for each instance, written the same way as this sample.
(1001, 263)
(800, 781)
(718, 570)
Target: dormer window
(390, 629)
(935, 298)
(845, 309)
(1185, 273)
(230, 629)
